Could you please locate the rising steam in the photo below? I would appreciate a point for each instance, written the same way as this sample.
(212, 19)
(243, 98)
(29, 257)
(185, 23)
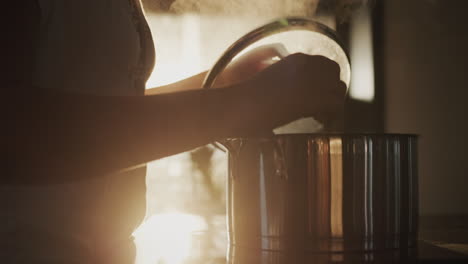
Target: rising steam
(246, 7)
(341, 9)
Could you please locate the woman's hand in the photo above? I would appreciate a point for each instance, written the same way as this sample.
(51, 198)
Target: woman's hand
(251, 63)
(299, 86)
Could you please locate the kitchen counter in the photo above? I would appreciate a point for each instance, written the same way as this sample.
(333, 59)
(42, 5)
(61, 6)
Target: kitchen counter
(442, 240)
(444, 237)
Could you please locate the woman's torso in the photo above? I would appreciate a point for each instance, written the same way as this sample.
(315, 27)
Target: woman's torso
(99, 47)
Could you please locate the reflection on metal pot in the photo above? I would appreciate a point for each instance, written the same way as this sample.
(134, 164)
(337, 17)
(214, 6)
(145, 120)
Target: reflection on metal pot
(323, 193)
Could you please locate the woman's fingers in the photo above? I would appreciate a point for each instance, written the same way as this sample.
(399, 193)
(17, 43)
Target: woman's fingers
(261, 57)
(268, 51)
(252, 62)
(300, 86)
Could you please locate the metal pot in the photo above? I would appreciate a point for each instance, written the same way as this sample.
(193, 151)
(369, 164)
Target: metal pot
(319, 192)
(323, 192)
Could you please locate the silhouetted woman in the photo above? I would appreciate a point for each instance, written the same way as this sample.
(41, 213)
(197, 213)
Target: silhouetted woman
(77, 120)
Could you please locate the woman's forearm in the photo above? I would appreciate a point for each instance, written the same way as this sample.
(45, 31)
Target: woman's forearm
(191, 83)
(229, 76)
(59, 137)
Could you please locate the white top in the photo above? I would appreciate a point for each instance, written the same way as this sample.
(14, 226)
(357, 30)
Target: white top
(89, 46)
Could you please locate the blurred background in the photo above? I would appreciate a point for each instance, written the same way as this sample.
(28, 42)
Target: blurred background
(408, 76)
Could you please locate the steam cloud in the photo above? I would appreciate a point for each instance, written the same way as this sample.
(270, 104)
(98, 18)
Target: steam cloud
(246, 7)
(342, 9)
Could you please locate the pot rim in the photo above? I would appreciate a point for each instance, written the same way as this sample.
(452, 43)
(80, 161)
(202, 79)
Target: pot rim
(330, 134)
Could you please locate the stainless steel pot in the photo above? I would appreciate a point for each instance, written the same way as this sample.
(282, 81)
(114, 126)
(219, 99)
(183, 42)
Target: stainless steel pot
(323, 192)
(319, 192)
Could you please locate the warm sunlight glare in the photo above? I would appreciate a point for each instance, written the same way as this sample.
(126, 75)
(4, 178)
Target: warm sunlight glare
(177, 41)
(362, 79)
(167, 238)
(185, 45)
